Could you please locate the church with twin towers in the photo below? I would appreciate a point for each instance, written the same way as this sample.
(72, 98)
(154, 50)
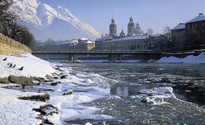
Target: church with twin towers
(131, 29)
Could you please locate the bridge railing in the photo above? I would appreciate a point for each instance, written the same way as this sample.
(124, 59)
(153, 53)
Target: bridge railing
(92, 52)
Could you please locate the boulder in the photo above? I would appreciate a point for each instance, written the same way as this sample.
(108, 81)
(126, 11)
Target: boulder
(64, 77)
(47, 109)
(68, 93)
(49, 78)
(24, 81)
(43, 97)
(39, 79)
(55, 83)
(13, 79)
(58, 68)
(4, 80)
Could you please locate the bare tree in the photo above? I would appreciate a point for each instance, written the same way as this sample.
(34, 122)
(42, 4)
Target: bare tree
(167, 32)
(150, 31)
(192, 38)
(7, 18)
(49, 41)
(24, 36)
(10, 28)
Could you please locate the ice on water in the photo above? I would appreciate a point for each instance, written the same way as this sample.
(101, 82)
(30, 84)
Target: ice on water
(155, 96)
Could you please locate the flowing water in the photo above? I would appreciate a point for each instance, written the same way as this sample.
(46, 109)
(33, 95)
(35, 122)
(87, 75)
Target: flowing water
(132, 85)
(128, 94)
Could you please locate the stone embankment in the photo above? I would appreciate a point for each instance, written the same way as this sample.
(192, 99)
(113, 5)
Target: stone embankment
(11, 47)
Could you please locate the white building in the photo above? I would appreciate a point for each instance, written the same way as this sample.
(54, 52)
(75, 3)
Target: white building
(129, 43)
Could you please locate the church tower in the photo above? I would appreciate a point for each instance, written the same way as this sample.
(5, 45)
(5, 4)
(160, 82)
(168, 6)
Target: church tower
(138, 30)
(131, 28)
(113, 29)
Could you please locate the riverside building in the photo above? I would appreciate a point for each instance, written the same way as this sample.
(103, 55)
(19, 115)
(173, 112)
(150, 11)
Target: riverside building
(193, 30)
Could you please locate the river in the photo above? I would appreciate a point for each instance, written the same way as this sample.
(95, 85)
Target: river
(126, 81)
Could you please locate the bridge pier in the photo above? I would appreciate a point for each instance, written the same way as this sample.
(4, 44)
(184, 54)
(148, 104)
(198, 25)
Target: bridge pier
(113, 57)
(118, 57)
(72, 58)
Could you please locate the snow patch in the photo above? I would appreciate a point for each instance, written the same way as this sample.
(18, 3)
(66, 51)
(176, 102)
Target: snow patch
(32, 66)
(191, 59)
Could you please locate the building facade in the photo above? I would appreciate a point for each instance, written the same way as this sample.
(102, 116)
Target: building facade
(129, 43)
(178, 36)
(191, 33)
(196, 26)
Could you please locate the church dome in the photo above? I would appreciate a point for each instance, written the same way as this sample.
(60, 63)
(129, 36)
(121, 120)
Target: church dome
(138, 30)
(131, 21)
(113, 23)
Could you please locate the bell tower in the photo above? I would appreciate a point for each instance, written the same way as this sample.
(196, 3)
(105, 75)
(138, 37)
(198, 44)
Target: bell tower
(131, 28)
(113, 29)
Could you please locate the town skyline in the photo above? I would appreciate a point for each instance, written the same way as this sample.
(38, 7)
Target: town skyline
(149, 14)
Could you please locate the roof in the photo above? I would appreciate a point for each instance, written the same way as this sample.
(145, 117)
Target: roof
(179, 26)
(84, 39)
(88, 41)
(129, 38)
(196, 19)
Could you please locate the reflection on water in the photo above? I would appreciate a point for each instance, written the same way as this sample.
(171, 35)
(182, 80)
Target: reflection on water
(127, 90)
(122, 91)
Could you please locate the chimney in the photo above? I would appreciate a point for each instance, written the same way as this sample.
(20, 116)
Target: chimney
(200, 14)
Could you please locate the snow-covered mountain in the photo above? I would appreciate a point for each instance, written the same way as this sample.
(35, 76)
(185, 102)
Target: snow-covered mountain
(55, 23)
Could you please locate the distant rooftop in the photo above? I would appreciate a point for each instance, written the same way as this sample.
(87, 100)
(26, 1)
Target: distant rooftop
(128, 38)
(200, 17)
(179, 26)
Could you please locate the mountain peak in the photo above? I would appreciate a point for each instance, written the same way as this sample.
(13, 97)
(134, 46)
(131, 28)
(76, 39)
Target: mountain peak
(46, 22)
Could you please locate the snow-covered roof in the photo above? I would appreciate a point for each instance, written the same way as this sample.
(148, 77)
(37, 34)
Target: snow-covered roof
(156, 35)
(179, 26)
(129, 38)
(84, 39)
(200, 17)
(101, 38)
(88, 41)
(65, 42)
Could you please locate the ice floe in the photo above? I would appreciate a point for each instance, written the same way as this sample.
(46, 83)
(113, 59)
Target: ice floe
(155, 96)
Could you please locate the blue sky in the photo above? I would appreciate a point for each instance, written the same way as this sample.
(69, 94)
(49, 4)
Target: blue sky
(155, 14)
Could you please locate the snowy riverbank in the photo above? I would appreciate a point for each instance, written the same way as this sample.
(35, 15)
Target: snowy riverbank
(191, 59)
(32, 66)
(59, 89)
(12, 110)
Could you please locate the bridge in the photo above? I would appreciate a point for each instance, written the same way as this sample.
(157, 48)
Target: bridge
(112, 55)
(95, 52)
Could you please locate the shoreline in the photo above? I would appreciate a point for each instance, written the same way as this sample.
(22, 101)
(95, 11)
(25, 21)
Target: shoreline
(44, 92)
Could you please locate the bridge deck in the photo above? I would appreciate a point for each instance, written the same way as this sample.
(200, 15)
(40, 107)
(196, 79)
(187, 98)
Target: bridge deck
(94, 52)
